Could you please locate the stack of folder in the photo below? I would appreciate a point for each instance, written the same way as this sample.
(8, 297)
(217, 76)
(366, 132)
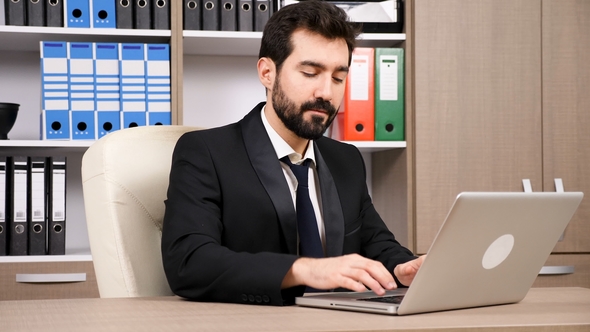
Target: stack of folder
(92, 89)
(373, 107)
(227, 15)
(121, 14)
(32, 205)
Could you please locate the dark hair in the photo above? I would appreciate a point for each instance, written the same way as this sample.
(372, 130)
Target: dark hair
(315, 16)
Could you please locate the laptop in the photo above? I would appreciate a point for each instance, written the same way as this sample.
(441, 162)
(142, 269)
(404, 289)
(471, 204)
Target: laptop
(488, 251)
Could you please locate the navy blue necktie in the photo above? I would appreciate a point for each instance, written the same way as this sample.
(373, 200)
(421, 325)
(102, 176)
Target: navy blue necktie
(310, 244)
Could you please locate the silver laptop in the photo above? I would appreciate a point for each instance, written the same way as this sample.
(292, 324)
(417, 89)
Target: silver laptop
(489, 251)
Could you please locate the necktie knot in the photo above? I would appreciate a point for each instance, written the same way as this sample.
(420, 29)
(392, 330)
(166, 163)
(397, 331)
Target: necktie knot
(300, 171)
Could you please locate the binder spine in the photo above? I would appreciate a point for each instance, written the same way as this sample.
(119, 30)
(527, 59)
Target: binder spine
(15, 12)
(161, 14)
(245, 15)
(262, 11)
(81, 85)
(192, 15)
(77, 13)
(56, 230)
(18, 226)
(133, 83)
(142, 14)
(55, 91)
(107, 88)
(211, 19)
(359, 100)
(158, 84)
(36, 206)
(124, 14)
(103, 14)
(36, 13)
(54, 13)
(229, 19)
(389, 94)
(3, 202)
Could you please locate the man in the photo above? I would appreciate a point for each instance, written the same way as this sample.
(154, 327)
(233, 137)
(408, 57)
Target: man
(231, 231)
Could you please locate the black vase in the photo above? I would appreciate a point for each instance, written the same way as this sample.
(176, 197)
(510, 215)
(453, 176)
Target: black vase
(8, 113)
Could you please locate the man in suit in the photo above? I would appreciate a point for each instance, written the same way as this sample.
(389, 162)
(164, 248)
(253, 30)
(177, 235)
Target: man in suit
(231, 231)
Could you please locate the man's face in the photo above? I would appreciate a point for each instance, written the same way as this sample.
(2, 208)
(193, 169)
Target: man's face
(309, 88)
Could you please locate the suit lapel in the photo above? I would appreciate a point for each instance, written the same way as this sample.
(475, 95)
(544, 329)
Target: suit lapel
(266, 165)
(332, 211)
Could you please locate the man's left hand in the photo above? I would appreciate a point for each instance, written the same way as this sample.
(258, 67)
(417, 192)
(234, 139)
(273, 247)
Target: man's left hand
(406, 272)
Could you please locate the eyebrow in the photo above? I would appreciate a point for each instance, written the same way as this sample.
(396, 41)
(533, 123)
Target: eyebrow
(322, 66)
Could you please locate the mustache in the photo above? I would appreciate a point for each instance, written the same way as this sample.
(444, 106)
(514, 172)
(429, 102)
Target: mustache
(319, 104)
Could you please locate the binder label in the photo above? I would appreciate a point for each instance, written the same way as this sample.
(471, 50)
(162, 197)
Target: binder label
(388, 79)
(359, 77)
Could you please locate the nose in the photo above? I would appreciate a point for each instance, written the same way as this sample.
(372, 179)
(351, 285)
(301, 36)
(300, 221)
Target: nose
(324, 88)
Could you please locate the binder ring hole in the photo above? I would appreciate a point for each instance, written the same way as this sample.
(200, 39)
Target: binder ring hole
(359, 127)
(158, 124)
(34, 1)
(1, 229)
(15, 1)
(262, 7)
(389, 127)
(209, 5)
(55, 125)
(53, 2)
(142, 3)
(133, 124)
(82, 126)
(19, 229)
(37, 228)
(228, 6)
(103, 14)
(160, 3)
(57, 228)
(246, 7)
(124, 3)
(192, 5)
(77, 13)
(107, 126)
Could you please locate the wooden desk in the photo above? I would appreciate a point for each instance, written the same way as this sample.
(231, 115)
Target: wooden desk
(544, 309)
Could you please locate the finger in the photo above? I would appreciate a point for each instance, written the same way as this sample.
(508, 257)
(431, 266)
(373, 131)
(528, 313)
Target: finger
(374, 275)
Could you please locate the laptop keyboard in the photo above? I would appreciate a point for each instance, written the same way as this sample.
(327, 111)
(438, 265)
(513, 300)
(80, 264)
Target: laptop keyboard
(394, 299)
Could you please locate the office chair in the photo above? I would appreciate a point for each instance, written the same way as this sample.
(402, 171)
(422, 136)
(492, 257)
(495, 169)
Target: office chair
(125, 180)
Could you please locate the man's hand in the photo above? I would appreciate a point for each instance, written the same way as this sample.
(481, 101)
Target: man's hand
(352, 272)
(406, 272)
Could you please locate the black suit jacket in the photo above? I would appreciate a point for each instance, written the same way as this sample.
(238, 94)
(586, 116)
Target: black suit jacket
(229, 232)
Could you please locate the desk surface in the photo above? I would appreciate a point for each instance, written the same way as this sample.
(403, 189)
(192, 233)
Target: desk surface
(543, 309)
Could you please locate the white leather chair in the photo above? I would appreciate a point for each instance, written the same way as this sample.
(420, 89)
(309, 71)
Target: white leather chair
(125, 180)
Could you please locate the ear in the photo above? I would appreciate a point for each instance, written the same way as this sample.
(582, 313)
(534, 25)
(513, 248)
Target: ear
(266, 72)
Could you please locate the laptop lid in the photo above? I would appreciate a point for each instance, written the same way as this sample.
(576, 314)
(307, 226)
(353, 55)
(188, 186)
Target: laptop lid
(488, 251)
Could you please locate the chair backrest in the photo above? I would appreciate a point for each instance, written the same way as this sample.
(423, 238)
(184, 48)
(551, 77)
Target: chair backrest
(125, 179)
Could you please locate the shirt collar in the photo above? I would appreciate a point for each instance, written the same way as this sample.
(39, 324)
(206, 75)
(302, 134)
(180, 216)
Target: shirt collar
(281, 147)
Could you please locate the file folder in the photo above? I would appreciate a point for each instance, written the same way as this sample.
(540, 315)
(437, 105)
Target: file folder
(262, 11)
(81, 85)
(142, 14)
(211, 11)
(77, 13)
(133, 85)
(15, 12)
(3, 197)
(35, 13)
(158, 84)
(18, 206)
(124, 14)
(103, 14)
(55, 91)
(229, 18)
(192, 15)
(359, 98)
(161, 14)
(56, 208)
(389, 94)
(107, 88)
(54, 13)
(245, 15)
(36, 206)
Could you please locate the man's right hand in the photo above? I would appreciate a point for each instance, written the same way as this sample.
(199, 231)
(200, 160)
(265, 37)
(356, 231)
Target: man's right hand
(352, 272)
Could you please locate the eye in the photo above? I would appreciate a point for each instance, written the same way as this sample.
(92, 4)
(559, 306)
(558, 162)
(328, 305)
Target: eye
(306, 74)
(338, 80)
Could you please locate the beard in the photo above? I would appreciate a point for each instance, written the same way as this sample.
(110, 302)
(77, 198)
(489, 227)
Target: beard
(292, 116)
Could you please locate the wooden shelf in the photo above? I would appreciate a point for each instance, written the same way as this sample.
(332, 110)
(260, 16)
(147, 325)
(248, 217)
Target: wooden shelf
(46, 144)
(246, 43)
(375, 146)
(25, 38)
